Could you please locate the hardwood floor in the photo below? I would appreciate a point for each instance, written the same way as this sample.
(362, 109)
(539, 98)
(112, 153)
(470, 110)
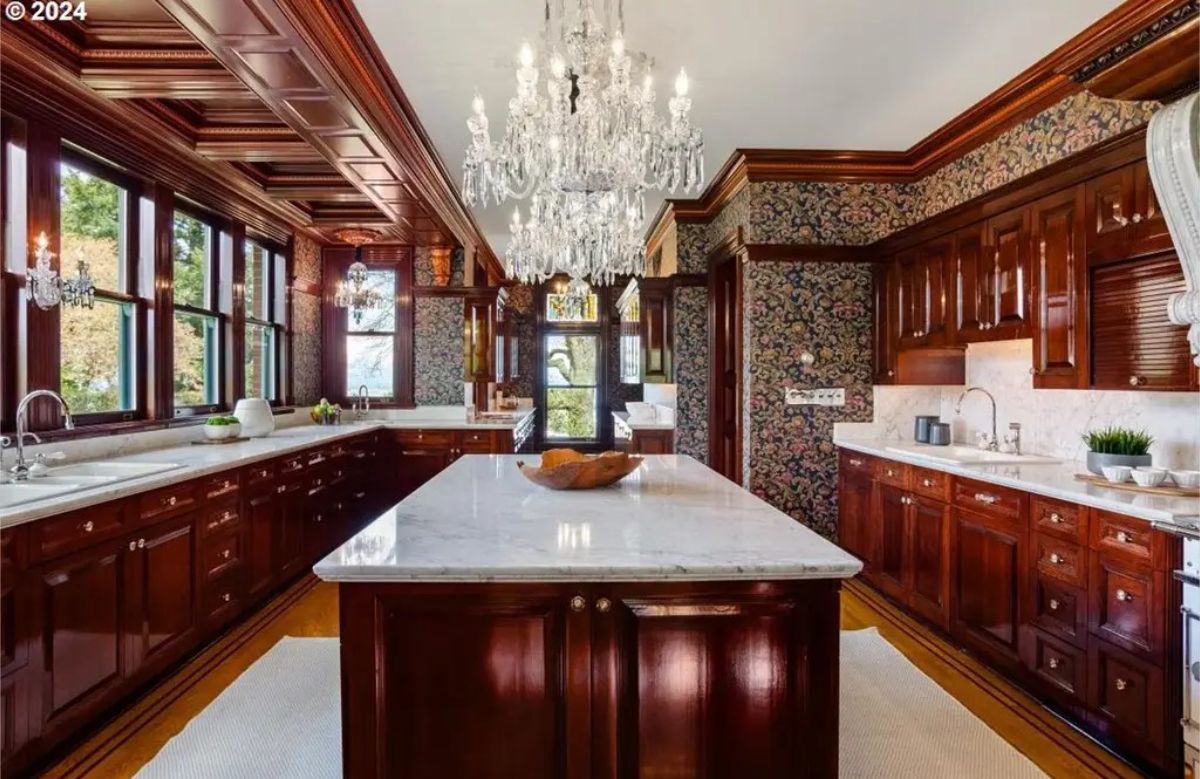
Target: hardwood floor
(310, 608)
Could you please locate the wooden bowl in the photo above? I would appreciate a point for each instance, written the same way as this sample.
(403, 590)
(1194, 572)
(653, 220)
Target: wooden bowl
(567, 469)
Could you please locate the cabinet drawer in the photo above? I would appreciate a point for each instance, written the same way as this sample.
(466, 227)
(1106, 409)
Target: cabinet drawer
(79, 529)
(168, 501)
(1129, 538)
(219, 486)
(931, 484)
(476, 442)
(1127, 604)
(990, 499)
(314, 457)
(337, 451)
(1060, 609)
(292, 464)
(893, 473)
(220, 518)
(223, 597)
(1065, 520)
(855, 464)
(1060, 559)
(222, 553)
(425, 439)
(1058, 665)
(259, 473)
(1126, 692)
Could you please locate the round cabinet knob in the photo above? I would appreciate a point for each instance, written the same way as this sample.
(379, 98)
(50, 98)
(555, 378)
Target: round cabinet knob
(1136, 218)
(226, 484)
(171, 500)
(1054, 604)
(1135, 381)
(225, 554)
(891, 373)
(1121, 220)
(1120, 684)
(603, 605)
(280, 489)
(856, 463)
(225, 598)
(1053, 662)
(578, 603)
(890, 472)
(1055, 559)
(132, 545)
(927, 482)
(1123, 596)
(141, 543)
(1123, 537)
(89, 526)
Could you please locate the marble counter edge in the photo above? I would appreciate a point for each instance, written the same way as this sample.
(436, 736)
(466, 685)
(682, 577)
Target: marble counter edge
(370, 575)
(623, 417)
(879, 449)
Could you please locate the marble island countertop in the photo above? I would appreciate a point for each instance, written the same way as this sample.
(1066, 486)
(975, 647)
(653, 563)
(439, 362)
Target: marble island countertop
(672, 519)
(622, 418)
(1052, 480)
(193, 462)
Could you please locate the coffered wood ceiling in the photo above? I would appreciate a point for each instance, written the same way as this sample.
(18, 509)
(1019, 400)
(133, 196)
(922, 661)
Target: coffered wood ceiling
(253, 87)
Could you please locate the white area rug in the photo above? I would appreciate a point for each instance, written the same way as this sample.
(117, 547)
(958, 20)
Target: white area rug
(281, 718)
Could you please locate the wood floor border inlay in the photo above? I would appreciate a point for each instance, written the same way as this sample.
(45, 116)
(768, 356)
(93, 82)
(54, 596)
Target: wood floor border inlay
(1089, 754)
(83, 759)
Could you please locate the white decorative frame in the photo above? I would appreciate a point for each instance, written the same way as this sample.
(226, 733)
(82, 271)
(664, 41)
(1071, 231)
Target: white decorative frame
(1173, 154)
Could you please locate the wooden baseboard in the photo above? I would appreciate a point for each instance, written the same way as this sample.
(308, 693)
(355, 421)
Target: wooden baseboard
(83, 757)
(1090, 755)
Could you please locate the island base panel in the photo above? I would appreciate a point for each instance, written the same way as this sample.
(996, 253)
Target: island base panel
(729, 679)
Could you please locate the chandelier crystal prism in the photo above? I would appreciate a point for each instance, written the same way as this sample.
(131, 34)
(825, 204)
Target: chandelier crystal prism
(583, 144)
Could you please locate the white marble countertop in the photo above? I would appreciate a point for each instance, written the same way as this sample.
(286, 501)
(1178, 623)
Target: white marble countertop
(196, 461)
(1053, 480)
(413, 420)
(623, 418)
(672, 519)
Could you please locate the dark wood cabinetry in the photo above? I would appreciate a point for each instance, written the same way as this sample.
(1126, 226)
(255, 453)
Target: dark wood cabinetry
(1059, 283)
(974, 286)
(1122, 216)
(420, 454)
(1072, 603)
(592, 685)
(99, 601)
(1007, 239)
(656, 302)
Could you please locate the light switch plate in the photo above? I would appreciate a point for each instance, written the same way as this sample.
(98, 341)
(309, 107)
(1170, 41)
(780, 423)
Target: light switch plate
(820, 396)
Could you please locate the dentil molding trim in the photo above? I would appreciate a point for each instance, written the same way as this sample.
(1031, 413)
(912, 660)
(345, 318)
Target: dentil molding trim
(1173, 155)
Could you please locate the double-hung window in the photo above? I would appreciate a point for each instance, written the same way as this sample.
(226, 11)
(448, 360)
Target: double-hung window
(265, 317)
(371, 341)
(97, 374)
(198, 320)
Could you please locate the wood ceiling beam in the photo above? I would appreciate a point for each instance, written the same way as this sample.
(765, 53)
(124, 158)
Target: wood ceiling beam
(187, 80)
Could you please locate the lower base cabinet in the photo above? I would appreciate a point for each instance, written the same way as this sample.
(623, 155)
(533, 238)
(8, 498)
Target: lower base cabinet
(99, 602)
(1075, 605)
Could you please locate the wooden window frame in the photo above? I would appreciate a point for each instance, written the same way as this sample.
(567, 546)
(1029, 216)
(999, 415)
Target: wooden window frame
(276, 296)
(222, 318)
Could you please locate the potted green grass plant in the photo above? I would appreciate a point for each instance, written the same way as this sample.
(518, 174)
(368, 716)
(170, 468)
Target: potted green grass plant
(1117, 446)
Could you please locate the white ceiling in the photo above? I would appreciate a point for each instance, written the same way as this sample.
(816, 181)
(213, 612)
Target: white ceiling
(813, 74)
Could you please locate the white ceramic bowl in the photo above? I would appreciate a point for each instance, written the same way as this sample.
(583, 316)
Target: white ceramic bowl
(1116, 473)
(1186, 479)
(1151, 468)
(1149, 478)
(220, 432)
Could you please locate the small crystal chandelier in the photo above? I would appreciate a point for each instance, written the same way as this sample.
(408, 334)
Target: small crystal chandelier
(47, 289)
(353, 293)
(584, 151)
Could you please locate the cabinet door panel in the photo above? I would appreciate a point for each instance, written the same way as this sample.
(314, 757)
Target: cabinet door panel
(1109, 204)
(260, 521)
(974, 293)
(938, 291)
(930, 595)
(987, 561)
(1149, 225)
(1059, 281)
(855, 518)
(885, 313)
(912, 304)
(290, 511)
(82, 629)
(162, 591)
(892, 547)
(1009, 241)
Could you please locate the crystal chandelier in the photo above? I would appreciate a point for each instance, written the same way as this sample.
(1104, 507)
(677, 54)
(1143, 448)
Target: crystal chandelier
(583, 150)
(47, 289)
(353, 292)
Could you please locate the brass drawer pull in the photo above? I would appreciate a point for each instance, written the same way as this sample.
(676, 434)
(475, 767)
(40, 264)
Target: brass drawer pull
(984, 497)
(603, 605)
(855, 463)
(1121, 684)
(171, 500)
(1123, 596)
(225, 597)
(1054, 604)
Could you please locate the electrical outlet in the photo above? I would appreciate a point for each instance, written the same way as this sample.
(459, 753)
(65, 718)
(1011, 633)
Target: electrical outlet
(821, 396)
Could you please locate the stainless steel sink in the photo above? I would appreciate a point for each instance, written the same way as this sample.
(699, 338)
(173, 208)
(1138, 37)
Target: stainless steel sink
(969, 455)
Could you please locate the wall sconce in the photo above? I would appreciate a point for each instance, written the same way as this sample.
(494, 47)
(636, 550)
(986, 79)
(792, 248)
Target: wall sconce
(47, 289)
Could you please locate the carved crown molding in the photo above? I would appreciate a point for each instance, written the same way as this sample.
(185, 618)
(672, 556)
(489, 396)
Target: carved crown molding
(1173, 155)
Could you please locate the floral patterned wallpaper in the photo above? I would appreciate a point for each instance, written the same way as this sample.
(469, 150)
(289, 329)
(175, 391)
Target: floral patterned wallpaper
(793, 307)
(306, 324)
(520, 302)
(691, 371)
(826, 212)
(438, 351)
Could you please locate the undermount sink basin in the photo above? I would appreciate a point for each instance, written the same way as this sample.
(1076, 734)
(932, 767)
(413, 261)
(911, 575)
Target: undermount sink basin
(71, 478)
(109, 471)
(16, 493)
(969, 455)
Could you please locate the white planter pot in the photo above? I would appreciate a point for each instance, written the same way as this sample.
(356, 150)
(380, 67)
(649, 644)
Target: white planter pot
(255, 416)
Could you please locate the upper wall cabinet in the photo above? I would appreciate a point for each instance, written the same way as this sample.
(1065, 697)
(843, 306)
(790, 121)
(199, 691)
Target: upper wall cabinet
(974, 283)
(1123, 218)
(655, 317)
(1058, 283)
(1007, 237)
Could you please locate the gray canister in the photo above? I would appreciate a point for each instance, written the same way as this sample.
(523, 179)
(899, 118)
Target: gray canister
(939, 434)
(921, 428)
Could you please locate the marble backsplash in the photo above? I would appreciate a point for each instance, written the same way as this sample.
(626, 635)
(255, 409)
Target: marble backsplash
(1052, 421)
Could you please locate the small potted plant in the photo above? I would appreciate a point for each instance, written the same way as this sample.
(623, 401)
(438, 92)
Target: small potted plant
(1117, 446)
(221, 426)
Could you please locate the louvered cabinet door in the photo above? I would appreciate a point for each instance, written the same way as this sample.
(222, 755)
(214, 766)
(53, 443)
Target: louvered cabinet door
(1134, 345)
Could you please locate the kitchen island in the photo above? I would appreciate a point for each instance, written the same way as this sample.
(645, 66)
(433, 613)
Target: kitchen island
(671, 625)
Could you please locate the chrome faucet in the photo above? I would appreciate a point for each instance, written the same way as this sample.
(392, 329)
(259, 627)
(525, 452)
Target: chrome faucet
(993, 445)
(20, 471)
(363, 404)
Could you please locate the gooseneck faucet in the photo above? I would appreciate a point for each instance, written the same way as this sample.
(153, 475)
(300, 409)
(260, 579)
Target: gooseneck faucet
(363, 404)
(21, 469)
(993, 445)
